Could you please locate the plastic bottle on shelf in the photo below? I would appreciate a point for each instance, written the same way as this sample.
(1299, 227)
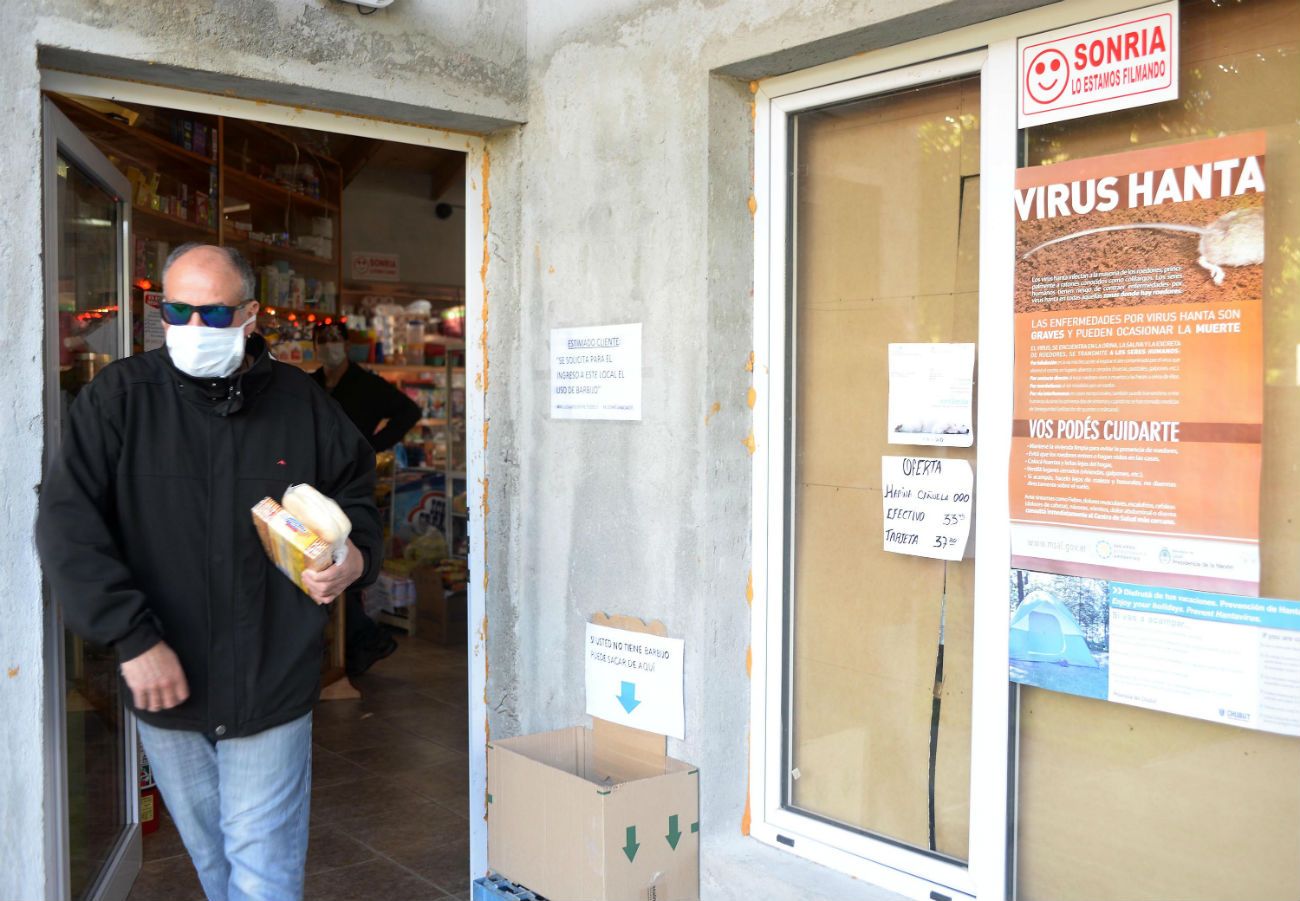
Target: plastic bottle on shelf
(415, 342)
(390, 331)
(417, 327)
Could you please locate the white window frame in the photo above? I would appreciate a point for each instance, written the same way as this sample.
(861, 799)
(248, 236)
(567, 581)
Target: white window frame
(989, 50)
(476, 241)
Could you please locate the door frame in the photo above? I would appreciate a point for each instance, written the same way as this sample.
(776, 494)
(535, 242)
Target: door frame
(477, 263)
(987, 49)
(60, 138)
(877, 859)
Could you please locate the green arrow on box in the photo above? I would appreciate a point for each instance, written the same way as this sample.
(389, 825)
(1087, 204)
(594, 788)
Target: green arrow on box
(631, 847)
(674, 834)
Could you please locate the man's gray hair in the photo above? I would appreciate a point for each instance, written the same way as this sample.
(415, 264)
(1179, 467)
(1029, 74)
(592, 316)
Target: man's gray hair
(247, 279)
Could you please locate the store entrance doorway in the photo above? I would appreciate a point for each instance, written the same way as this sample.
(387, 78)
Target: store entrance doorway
(353, 236)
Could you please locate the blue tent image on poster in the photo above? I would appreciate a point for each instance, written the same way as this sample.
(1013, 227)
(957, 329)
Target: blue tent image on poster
(1044, 630)
(1048, 647)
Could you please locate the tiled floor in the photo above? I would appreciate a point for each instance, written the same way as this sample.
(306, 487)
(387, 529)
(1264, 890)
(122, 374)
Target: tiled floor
(390, 792)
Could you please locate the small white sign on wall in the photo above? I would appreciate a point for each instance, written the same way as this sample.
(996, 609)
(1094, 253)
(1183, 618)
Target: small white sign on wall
(153, 335)
(376, 267)
(636, 679)
(596, 372)
(927, 505)
(1107, 64)
(930, 388)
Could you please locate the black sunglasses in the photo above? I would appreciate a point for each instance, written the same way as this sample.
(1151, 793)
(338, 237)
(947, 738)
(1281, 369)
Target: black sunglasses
(213, 315)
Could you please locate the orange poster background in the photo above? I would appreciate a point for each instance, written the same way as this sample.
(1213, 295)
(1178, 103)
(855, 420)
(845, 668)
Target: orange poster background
(1210, 383)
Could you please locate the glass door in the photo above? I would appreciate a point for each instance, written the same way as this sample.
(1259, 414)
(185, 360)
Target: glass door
(97, 848)
(885, 252)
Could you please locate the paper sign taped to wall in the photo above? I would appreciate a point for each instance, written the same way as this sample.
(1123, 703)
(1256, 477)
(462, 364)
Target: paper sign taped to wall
(596, 372)
(635, 679)
(927, 506)
(930, 388)
(153, 335)
(376, 267)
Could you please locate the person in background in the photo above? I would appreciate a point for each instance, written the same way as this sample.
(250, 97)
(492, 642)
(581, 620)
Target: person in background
(383, 414)
(146, 537)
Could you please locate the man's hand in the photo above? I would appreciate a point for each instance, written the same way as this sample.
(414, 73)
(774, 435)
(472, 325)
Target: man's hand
(327, 584)
(156, 679)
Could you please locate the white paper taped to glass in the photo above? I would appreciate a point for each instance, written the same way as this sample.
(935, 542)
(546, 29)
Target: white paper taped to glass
(930, 387)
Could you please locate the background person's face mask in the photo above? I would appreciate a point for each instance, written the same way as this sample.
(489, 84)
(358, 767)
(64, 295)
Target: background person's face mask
(333, 354)
(204, 352)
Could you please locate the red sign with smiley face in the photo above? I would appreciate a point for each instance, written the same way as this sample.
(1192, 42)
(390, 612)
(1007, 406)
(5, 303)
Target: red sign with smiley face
(1047, 76)
(1100, 66)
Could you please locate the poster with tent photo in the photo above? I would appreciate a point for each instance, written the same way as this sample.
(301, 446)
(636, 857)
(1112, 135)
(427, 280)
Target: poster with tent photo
(1060, 633)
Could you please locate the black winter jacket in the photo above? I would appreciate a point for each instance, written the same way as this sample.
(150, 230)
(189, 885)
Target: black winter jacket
(369, 399)
(146, 534)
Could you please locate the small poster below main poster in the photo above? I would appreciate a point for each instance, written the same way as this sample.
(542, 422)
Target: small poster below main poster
(1138, 366)
(1224, 658)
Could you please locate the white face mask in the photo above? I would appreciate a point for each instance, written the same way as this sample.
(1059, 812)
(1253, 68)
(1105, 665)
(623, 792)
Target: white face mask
(333, 354)
(206, 353)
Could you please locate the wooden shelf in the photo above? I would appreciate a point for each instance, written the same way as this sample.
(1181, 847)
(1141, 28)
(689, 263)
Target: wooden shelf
(263, 250)
(150, 217)
(445, 341)
(140, 146)
(448, 295)
(404, 369)
(242, 186)
(267, 200)
(274, 132)
(282, 312)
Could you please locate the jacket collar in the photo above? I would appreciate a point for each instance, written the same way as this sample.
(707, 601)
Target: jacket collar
(222, 397)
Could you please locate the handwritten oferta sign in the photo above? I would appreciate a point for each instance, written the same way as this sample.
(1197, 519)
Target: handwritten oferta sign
(927, 506)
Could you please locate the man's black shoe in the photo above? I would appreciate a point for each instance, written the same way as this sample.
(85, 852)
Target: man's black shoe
(367, 657)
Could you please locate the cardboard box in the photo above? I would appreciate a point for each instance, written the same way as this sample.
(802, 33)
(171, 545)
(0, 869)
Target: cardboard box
(599, 814)
(293, 547)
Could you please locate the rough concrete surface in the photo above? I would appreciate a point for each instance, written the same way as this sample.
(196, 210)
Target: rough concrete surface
(23, 761)
(637, 175)
(463, 57)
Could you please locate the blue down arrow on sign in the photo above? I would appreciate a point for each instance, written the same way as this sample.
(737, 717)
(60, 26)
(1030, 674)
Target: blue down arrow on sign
(628, 697)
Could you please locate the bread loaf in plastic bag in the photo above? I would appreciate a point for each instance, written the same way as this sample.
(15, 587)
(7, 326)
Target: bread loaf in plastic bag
(322, 515)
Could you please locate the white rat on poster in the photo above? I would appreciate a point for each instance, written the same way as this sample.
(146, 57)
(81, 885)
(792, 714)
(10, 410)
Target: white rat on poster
(1234, 239)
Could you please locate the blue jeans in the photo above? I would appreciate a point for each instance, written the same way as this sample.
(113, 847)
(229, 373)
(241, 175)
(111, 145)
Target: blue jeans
(241, 806)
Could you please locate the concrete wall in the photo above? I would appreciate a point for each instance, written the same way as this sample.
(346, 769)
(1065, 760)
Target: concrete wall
(457, 63)
(23, 761)
(637, 173)
(454, 63)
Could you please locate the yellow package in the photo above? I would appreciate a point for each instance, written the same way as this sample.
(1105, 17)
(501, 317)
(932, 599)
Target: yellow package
(292, 547)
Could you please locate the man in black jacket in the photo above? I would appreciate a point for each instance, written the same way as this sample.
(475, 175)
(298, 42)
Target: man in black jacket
(147, 540)
(384, 415)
